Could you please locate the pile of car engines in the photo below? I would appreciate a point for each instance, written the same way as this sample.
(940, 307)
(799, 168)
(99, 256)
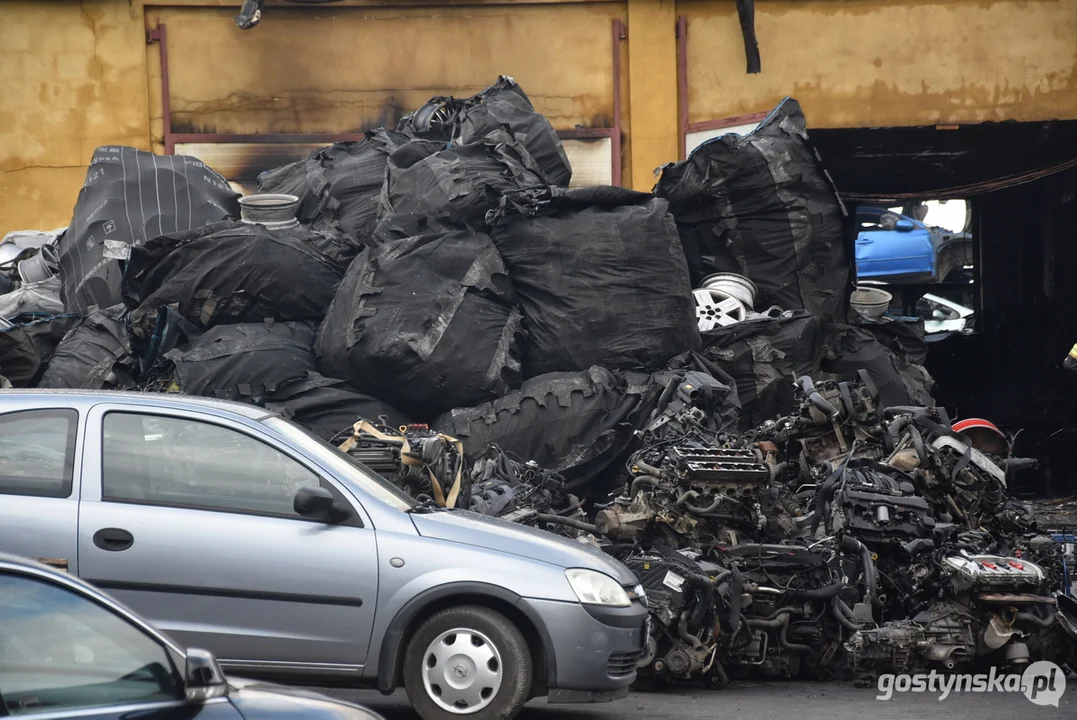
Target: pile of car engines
(846, 540)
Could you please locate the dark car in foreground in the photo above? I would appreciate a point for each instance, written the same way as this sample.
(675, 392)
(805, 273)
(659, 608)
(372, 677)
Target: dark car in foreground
(67, 650)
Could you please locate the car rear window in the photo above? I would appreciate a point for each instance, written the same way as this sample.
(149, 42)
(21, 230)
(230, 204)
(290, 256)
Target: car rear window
(37, 452)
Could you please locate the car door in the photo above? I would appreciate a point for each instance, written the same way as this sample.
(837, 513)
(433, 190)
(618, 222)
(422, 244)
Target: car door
(187, 517)
(883, 251)
(39, 491)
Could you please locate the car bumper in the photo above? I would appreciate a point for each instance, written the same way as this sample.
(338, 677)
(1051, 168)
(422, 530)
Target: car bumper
(595, 648)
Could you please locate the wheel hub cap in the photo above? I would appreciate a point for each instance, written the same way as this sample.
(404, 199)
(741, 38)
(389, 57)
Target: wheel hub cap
(462, 671)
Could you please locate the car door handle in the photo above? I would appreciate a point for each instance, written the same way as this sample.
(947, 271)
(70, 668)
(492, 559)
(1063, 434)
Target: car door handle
(113, 539)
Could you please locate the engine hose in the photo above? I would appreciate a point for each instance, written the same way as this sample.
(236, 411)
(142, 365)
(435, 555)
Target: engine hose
(1034, 619)
(994, 495)
(915, 547)
(736, 590)
(688, 495)
(649, 469)
(703, 603)
(704, 511)
(850, 544)
(704, 599)
(640, 481)
(918, 445)
(781, 624)
(819, 403)
(780, 611)
(839, 614)
(823, 593)
(571, 522)
(721, 577)
(783, 640)
(682, 631)
(777, 470)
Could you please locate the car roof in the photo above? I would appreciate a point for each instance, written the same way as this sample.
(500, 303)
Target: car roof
(149, 399)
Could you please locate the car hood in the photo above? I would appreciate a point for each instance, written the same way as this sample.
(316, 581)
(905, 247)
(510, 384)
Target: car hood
(468, 528)
(263, 701)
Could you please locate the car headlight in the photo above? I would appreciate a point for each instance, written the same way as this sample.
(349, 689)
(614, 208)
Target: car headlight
(594, 588)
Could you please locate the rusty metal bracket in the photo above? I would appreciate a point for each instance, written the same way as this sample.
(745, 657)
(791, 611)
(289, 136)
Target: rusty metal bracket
(159, 35)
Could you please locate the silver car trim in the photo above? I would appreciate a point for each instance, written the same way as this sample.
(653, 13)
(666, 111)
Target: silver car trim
(285, 665)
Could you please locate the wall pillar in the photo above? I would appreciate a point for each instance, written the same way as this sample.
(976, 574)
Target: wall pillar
(652, 88)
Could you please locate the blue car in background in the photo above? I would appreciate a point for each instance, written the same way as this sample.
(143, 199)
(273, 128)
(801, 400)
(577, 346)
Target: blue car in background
(896, 248)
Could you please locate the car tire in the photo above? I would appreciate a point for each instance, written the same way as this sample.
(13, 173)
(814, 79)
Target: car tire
(487, 676)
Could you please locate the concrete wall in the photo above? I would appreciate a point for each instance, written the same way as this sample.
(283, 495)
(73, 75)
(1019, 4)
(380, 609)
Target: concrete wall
(77, 75)
(72, 77)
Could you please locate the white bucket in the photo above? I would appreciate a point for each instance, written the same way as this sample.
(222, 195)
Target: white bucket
(870, 302)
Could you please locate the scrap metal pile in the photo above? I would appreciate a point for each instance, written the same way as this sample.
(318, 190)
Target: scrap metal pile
(436, 301)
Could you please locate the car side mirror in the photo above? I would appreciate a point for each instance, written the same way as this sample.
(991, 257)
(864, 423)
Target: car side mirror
(904, 225)
(315, 503)
(203, 679)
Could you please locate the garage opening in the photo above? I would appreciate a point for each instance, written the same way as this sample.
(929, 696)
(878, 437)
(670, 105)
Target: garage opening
(1012, 264)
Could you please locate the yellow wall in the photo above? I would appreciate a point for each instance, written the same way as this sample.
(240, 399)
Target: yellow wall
(343, 69)
(77, 75)
(864, 63)
(72, 77)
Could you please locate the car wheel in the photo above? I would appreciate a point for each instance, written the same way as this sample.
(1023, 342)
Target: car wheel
(467, 660)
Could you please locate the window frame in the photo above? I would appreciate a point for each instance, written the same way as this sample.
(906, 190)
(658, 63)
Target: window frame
(354, 518)
(71, 459)
(173, 654)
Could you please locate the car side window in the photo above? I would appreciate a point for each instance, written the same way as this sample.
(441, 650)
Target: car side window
(872, 222)
(60, 651)
(37, 452)
(174, 461)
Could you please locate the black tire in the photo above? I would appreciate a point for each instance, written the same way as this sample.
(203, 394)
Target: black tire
(503, 635)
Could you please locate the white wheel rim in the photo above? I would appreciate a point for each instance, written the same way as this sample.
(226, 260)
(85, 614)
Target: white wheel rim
(462, 671)
(716, 309)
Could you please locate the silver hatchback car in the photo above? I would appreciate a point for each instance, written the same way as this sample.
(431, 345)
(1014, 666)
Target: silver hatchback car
(235, 530)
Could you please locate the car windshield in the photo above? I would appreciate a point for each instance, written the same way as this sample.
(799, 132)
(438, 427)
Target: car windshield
(346, 465)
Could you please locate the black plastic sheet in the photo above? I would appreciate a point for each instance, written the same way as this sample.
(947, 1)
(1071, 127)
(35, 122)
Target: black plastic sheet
(246, 360)
(600, 277)
(902, 335)
(130, 197)
(763, 206)
(503, 105)
(230, 272)
(26, 348)
(459, 184)
(900, 381)
(763, 356)
(338, 186)
(577, 424)
(96, 354)
(427, 323)
(325, 406)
